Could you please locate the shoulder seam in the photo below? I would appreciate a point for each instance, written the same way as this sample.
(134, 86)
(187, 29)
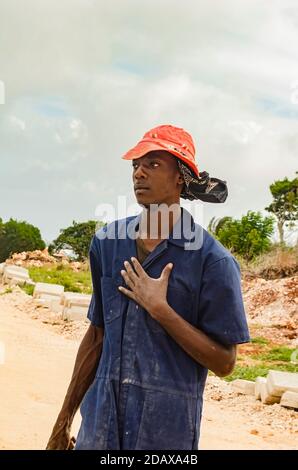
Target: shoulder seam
(220, 259)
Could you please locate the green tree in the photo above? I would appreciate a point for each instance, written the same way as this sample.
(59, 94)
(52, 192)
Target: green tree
(216, 224)
(285, 203)
(77, 238)
(18, 236)
(247, 237)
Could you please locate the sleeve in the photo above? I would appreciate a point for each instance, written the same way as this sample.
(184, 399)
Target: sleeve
(221, 310)
(95, 311)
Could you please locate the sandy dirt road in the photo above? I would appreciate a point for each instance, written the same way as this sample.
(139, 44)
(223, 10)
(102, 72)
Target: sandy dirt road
(35, 374)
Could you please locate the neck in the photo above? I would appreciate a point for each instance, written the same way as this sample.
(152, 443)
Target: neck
(157, 221)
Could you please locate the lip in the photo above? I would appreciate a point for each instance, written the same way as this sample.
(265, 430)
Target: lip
(141, 188)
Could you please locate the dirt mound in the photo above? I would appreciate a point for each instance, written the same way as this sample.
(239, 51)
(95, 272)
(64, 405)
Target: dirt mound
(39, 258)
(273, 303)
(279, 262)
(31, 258)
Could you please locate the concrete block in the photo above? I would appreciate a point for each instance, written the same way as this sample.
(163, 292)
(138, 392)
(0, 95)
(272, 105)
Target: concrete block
(81, 300)
(289, 400)
(41, 302)
(12, 268)
(43, 289)
(258, 382)
(266, 398)
(279, 382)
(65, 296)
(51, 302)
(15, 272)
(48, 297)
(75, 313)
(247, 387)
(75, 307)
(55, 305)
(50, 294)
(15, 281)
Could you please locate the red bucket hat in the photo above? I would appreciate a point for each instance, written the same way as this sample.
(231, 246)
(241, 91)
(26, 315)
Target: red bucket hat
(170, 138)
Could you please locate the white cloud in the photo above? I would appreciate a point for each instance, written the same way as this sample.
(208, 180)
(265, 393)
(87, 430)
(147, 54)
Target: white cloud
(244, 131)
(17, 123)
(85, 79)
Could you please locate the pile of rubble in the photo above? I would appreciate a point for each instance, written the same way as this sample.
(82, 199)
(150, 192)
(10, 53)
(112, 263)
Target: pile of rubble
(273, 303)
(31, 258)
(40, 258)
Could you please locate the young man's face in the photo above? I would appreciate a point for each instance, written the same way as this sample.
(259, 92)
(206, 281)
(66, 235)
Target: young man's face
(156, 178)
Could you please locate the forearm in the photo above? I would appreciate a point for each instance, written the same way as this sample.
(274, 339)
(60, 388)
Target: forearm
(85, 367)
(204, 350)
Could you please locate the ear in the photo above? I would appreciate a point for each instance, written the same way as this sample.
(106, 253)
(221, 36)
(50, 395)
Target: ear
(180, 183)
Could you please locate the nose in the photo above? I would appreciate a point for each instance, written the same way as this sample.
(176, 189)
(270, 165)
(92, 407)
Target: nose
(139, 172)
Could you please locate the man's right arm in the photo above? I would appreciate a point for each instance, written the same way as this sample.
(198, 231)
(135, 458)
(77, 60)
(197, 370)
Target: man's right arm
(85, 367)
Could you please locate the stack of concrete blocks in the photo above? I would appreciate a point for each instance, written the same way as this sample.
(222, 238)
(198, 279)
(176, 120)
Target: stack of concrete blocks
(283, 386)
(14, 275)
(75, 305)
(279, 387)
(72, 305)
(48, 295)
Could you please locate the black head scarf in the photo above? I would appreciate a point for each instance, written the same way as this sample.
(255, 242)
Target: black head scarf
(203, 186)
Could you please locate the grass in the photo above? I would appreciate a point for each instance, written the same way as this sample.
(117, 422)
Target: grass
(260, 370)
(247, 372)
(8, 290)
(278, 262)
(259, 340)
(258, 357)
(280, 354)
(28, 288)
(71, 280)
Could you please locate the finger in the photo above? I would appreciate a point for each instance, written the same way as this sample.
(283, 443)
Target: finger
(71, 444)
(127, 292)
(130, 271)
(138, 267)
(166, 271)
(127, 279)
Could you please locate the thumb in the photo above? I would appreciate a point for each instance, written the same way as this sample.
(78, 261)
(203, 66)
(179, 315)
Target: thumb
(166, 271)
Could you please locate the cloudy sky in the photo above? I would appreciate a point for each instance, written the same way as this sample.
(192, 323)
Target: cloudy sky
(82, 80)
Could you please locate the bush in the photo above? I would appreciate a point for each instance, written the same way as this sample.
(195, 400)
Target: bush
(247, 237)
(16, 237)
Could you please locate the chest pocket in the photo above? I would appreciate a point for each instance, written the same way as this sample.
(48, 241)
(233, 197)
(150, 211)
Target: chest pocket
(111, 299)
(181, 302)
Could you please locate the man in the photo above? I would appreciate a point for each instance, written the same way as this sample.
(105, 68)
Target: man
(166, 307)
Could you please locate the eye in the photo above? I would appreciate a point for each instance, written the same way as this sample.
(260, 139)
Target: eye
(154, 164)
